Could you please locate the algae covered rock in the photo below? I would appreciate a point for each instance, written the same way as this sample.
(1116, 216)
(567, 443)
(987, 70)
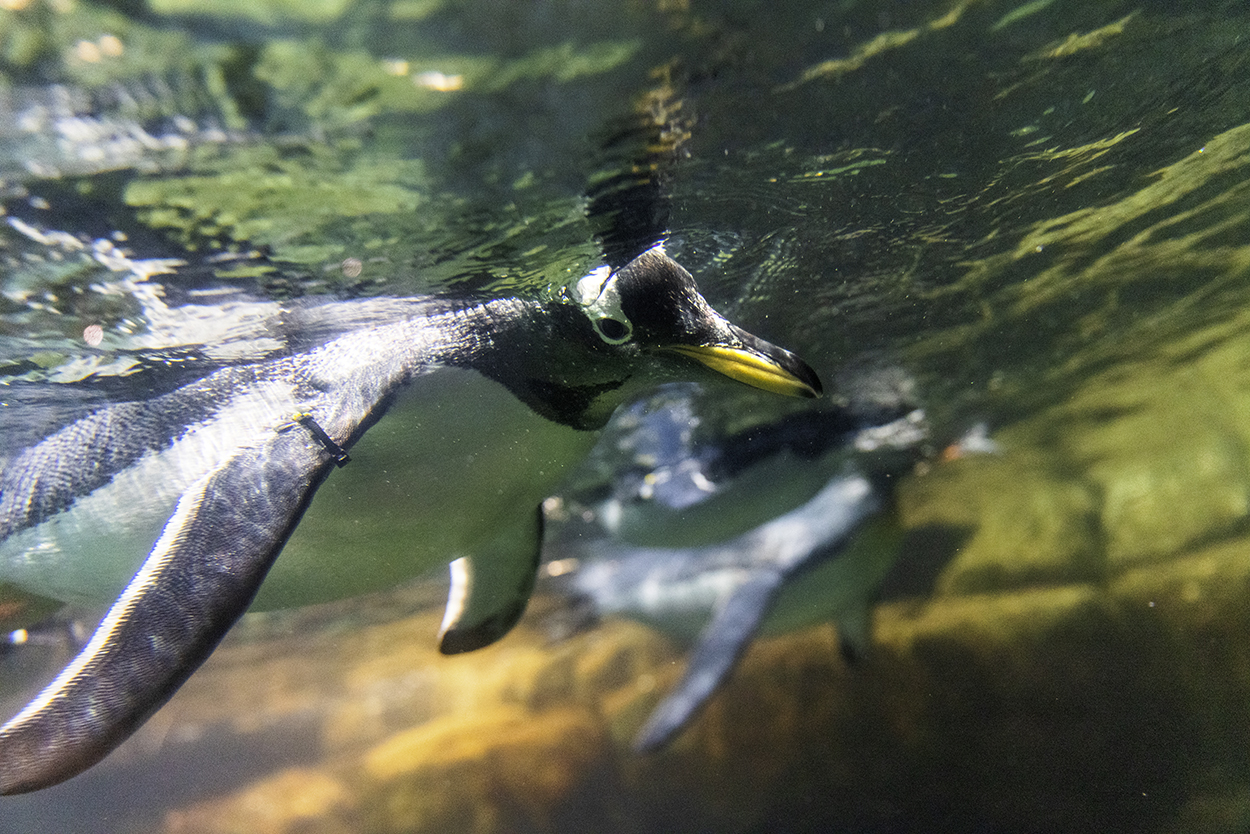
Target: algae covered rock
(1137, 464)
(1163, 440)
(1018, 523)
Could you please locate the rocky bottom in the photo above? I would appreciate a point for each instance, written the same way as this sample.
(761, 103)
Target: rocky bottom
(1118, 706)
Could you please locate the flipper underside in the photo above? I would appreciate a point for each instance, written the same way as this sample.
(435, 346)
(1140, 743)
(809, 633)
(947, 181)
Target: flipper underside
(815, 532)
(198, 580)
(723, 642)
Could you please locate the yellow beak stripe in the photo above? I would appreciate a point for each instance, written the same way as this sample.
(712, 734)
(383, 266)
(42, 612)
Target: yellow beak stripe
(756, 371)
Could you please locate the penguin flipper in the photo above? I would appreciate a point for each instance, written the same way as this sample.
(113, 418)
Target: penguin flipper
(490, 589)
(198, 580)
(723, 641)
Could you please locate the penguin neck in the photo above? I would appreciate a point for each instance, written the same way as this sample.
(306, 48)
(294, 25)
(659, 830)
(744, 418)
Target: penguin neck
(545, 354)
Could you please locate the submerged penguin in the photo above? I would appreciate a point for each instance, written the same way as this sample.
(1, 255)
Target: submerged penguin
(821, 560)
(679, 490)
(499, 398)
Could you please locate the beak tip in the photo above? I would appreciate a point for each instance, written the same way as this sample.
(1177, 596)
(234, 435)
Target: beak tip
(814, 389)
(805, 382)
(811, 388)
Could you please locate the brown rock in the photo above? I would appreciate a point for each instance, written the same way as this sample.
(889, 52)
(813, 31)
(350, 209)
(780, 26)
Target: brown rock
(505, 769)
(297, 801)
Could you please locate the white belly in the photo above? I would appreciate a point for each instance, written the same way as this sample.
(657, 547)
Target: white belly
(89, 554)
(455, 459)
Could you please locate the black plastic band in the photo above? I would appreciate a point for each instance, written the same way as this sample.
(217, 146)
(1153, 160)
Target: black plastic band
(336, 451)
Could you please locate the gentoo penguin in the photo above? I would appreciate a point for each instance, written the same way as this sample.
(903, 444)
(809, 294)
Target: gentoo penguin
(686, 485)
(822, 556)
(822, 561)
(210, 479)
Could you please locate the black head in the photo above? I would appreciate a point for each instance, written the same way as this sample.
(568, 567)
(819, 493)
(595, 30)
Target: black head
(574, 363)
(653, 305)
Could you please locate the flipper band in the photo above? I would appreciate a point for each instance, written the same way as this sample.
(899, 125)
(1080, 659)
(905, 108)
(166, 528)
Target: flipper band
(336, 451)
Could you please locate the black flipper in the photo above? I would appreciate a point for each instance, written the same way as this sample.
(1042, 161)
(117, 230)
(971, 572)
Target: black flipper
(722, 642)
(489, 590)
(199, 579)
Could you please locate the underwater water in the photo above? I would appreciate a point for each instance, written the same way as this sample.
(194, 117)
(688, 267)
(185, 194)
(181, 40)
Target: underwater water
(1039, 210)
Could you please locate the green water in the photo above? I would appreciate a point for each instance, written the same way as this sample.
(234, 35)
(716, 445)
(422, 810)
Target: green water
(1041, 210)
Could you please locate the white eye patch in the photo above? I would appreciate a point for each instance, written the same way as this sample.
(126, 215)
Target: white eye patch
(601, 299)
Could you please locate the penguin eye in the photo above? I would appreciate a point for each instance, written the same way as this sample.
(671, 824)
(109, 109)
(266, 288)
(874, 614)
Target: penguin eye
(613, 331)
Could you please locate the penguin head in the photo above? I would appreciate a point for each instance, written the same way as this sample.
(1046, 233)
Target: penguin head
(652, 309)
